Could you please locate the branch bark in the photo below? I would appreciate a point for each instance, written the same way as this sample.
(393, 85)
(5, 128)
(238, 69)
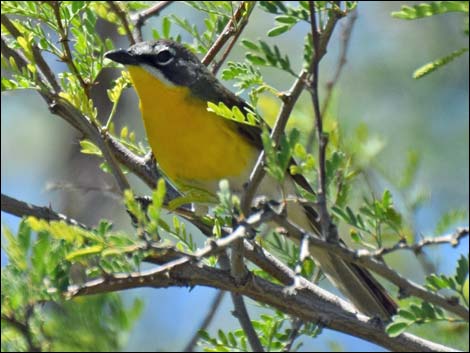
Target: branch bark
(406, 286)
(306, 304)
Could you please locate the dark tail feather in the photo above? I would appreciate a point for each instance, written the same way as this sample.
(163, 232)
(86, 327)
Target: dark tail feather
(355, 282)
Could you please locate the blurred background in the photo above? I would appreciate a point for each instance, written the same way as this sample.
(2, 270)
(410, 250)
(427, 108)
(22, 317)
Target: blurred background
(41, 162)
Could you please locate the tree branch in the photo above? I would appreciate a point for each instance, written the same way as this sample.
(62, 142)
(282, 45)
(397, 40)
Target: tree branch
(318, 53)
(234, 27)
(67, 56)
(141, 17)
(345, 38)
(267, 262)
(207, 320)
(61, 107)
(116, 8)
(406, 286)
(452, 239)
(44, 70)
(294, 333)
(240, 311)
(24, 329)
(338, 317)
(258, 172)
(21, 209)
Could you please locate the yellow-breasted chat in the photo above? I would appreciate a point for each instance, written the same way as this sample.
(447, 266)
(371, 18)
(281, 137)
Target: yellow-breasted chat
(196, 148)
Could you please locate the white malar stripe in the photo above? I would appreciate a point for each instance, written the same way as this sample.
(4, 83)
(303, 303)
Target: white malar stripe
(157, 74)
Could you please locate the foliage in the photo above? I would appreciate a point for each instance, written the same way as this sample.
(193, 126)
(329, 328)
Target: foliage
(373, 216)
(48, 258)
(278, 157)
(34, 314)
(271, 329)
(428, 313)
(233, 114)
(432, 9)
(434, 65)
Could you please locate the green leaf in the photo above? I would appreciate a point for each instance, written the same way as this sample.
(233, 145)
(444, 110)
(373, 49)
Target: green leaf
(462, 270)
(450, 219)
(24, 237)
(203, 334)
(256, 59)
(436, 64)
(249, 44)
(166, 26)
(91, 250)
(339, 212)
(276, 31)
(269, 6)
(465, 291)
(222, 337)
(286, 19)
(396, 328)
(232, 340)
(411, 168)
(89, 147)
(355, 236)
(158, 195)
(430, 9)
(233, 114)
(407, 315)
(428, 310)
(436, 282)
(416, 310)
(124, 132)
(40, 255)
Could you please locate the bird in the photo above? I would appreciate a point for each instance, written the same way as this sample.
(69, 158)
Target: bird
(195, 148)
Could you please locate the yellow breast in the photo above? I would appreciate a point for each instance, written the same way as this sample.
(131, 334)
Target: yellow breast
(189, 143)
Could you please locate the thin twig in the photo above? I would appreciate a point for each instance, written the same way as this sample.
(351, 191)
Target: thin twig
(24, 329)
(44, 70)
(406, 286)
(261, 258)
(258, 172)
(121, 180)
(207, 320)
(141, 17)
(317, 37)
(364, 259)
(116, 8)
(22, 209)
(452, 239)
(143, 167)
(234, 27)
(344, 44)
(238, 269)
(242, 315)
(61, 107)
(310, 304)
(67, 56)
(240, 311)
(294, 333)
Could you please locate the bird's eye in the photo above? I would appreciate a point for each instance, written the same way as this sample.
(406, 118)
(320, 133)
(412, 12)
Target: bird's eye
(164, 57)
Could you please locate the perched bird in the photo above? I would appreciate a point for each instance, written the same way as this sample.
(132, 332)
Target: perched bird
(196, 148)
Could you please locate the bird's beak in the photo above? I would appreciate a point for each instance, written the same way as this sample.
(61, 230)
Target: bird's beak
(122, 56)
